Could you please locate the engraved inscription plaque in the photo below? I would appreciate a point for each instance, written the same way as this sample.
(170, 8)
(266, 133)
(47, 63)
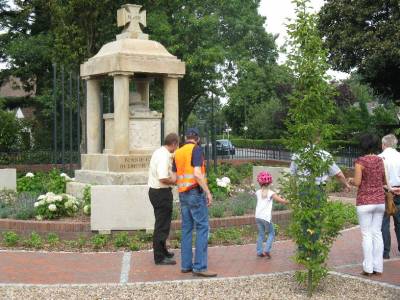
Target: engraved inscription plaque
(128, 163)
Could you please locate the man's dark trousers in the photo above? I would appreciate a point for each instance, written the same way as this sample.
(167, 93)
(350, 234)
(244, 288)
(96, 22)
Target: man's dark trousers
(161, 199)
(386, 228)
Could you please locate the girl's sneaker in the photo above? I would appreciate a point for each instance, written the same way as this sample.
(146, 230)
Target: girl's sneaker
(261, 255)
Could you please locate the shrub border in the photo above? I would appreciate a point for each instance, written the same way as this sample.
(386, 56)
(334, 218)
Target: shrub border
(75, 229)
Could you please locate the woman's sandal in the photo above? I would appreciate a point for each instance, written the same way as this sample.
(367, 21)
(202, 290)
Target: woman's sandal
(377, 273)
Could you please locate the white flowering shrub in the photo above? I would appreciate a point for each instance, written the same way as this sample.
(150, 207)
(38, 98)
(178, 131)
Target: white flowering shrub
(86, 200)
(220, 187)
(52, 206)
(224, 182)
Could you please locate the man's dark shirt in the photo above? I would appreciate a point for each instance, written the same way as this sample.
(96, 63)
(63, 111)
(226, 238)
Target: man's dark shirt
(197, 157)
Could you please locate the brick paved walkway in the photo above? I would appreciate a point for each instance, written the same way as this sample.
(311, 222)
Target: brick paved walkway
(228, 261)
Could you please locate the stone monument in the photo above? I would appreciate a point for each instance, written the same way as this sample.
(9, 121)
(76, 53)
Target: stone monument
(8, 179)
(277, 174)
(132, 131)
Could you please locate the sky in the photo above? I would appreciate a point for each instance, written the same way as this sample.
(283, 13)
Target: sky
(277, 13)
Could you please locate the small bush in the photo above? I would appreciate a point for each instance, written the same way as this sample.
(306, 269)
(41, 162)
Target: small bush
(277, 229)
(25, 214)
(121, 240)
(217, 211)
(10, 238)
(5, 211)
(225, 235)
(53, 239)
(24, 206)
(70, 243)
(81, 242)
(41, 183)
(54, 182)
(238, 210)
(134, 245)
(144, 237)
(52, 206)
(31, 184)
(347, 211)
(87, 200)
(34, 241)
(7, 197)
(175, 213)
(333, 186)
(99, 241)
(17, 206)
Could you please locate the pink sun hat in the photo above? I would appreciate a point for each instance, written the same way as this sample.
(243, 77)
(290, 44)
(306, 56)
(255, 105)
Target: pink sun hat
(264, 178)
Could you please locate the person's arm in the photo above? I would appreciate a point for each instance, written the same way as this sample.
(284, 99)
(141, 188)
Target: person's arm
(164, 176)
(201, 180)
(334, 171)
(356, 181)
(173, 175)
(340, 176)
(170, 180)
(279, 199)
(396, 190)
(197, 162)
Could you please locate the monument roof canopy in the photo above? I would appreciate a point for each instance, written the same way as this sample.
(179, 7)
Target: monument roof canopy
(132, 52)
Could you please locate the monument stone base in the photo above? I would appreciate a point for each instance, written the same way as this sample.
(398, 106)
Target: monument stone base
(121, 207)
(116, 163)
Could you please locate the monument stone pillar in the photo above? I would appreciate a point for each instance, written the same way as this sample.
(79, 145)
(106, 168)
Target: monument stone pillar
(143, 88)
(118, 173)
(171, 104)
(93, 115)
(121, 113)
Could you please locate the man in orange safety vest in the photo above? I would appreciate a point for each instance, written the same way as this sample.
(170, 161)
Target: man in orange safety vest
(195, 198)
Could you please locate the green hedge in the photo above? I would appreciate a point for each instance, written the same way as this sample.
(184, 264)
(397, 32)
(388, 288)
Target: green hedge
(249, 143)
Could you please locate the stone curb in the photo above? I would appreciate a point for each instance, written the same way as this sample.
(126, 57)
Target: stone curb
(384, 284)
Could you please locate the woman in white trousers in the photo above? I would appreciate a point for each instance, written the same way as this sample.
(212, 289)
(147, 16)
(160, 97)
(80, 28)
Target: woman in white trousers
(369, 177)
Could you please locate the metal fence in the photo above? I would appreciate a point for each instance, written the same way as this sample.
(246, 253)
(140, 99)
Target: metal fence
(344, 156)
(39, 157)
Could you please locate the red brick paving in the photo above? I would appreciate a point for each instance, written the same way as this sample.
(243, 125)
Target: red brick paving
(391, 272)
(53, 268)
(228, 261)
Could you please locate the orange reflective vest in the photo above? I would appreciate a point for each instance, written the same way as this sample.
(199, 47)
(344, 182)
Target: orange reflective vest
(184, 169)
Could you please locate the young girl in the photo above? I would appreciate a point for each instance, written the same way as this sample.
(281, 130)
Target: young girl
(265, 196)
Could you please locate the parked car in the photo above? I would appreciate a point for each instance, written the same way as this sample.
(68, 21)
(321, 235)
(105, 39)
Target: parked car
(225, 147)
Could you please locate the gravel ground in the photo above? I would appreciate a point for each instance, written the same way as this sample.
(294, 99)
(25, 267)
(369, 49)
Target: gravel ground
(280, 286)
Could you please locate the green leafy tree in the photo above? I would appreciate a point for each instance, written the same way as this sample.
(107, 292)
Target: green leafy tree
(353, 116)
(266, 120)
(27, 42)
(212, 37)
(10, 130)
(256, 84)
(313, 226)
(364, 35)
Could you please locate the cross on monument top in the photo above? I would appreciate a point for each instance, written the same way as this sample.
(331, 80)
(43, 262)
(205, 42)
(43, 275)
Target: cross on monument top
(130, 17)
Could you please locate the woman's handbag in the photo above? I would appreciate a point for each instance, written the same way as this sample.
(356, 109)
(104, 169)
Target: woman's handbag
(390, 207)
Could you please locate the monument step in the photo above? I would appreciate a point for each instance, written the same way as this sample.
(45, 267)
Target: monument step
(111, 178)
